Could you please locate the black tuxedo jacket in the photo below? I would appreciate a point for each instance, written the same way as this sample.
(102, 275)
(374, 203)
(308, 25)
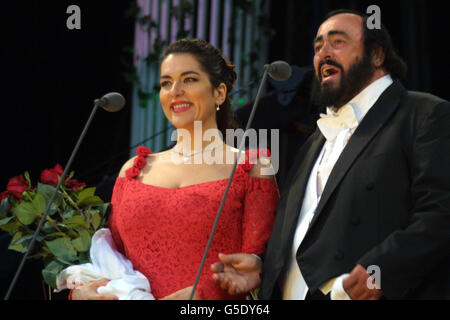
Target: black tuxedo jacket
(386, 203)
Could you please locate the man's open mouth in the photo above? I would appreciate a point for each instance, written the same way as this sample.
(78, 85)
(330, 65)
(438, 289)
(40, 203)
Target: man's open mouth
(329, 71)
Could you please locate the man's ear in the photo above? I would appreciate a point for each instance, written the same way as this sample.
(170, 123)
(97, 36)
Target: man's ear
(378, 57)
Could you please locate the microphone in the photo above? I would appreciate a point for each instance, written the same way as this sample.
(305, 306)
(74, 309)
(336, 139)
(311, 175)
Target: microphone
(280, 70)
(111, 102)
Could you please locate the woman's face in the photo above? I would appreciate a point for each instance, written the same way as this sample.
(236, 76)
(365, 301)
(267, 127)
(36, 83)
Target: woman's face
(186, 93)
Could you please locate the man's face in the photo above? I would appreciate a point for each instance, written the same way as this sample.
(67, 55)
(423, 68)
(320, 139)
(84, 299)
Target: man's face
(342, 69)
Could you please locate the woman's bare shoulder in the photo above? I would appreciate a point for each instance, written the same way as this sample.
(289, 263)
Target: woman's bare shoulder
(263, 167)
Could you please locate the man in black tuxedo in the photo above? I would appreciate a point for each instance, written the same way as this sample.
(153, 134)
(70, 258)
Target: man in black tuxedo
(365, 213)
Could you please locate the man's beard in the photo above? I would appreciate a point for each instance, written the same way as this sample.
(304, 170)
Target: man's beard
(351, 83)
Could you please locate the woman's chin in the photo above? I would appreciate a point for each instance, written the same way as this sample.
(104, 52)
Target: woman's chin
(182, 123)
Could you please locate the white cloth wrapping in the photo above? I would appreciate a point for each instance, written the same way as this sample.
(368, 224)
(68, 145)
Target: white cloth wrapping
(107, 263)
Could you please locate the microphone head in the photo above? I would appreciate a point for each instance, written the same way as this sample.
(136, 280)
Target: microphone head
(280, 70)
(111, 102)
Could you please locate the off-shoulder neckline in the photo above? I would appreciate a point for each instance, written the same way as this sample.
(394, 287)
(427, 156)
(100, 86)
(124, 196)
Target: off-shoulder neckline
(195, 184)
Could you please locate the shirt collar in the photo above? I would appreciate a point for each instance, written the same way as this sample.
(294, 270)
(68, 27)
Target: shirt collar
(364, 100)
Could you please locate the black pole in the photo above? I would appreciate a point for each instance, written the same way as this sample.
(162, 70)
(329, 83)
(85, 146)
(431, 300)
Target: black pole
(219, 212)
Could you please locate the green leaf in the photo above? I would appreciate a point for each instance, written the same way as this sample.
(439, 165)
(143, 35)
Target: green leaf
(55, 234)
(39, 203)
(25, 212)
(94, 200)
(51, 271)
(75, 221)
(4, 206)
(67, 215)
(5, 220)
(27, 178)
(96, 220)
(11, 226)
(103, 208)
(84, 257)
(47, 191)
(86, 193)
(83, 242)
(17, 242)
(25, 240)
(48, 228)
(63, 249)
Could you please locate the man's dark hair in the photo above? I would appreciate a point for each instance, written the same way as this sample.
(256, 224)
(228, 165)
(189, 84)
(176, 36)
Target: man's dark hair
(376, 38)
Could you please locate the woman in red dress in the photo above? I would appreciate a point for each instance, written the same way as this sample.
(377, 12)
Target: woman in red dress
(164, 204)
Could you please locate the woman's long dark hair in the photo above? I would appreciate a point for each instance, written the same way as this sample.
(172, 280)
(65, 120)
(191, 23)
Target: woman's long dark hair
(219, 70)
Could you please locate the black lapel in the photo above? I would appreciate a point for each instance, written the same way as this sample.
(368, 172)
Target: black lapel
(297, 189)
(375, 118)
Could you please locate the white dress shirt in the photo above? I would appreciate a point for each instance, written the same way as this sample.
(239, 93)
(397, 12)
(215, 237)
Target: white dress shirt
(337, 132)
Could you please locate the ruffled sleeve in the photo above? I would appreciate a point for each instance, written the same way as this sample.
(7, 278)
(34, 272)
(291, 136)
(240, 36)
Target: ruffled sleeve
(115, 202)
(260, 203)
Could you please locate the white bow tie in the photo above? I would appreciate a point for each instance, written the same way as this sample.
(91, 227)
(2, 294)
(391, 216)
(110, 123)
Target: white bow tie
(332, 123)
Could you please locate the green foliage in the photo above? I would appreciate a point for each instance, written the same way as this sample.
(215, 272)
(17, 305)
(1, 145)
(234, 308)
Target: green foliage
(65, 237)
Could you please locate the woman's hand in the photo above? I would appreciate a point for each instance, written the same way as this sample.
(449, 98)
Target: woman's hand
(89, 291)
(183, 294)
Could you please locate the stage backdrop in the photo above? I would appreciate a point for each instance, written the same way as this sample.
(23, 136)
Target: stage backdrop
(238, 28)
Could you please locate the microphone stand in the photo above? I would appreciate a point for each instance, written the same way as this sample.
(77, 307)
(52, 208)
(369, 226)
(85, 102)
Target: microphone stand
(52, 198)
(241, 147)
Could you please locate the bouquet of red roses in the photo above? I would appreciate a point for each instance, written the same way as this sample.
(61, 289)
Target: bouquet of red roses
(73, 218)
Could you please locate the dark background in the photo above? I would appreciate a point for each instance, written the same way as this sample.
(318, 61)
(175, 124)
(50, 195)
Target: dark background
(51, 75)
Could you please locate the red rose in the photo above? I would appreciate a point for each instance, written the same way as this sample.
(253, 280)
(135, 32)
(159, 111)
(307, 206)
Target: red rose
(50, 176)
(17, 185)
(58, 169)
(132, 173)
(143, 151)
(247, 166)
(140, 162)
(74, 184)
(4, 195)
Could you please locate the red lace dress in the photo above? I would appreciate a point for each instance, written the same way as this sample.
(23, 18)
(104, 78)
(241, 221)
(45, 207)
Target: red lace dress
(164, 231)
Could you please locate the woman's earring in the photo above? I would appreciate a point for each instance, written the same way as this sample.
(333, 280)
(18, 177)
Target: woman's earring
(218, 108)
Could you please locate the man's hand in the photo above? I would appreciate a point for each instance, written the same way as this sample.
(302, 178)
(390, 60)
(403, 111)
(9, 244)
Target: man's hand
(356, 285)
(237, 273)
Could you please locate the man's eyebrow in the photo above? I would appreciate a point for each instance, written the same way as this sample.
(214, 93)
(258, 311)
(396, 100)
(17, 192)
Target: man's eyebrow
(330, 33)
(164, 76)
(319, 38)
(334, 32)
